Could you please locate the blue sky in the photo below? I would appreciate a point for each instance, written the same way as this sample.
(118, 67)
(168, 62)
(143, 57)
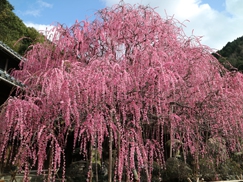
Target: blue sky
(218, 21)
(47, 12)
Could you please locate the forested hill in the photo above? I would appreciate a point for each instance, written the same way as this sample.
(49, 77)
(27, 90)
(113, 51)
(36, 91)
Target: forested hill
(13, 29)
(232, 52)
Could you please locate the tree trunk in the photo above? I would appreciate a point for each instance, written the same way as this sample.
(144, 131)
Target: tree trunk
(110, 157)
(49, 178)
(171, 134)
(96, 160)
(90, 164)
(171, 143)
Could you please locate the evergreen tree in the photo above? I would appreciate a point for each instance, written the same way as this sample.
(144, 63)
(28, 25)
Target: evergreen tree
(12, 29)
(231, 55)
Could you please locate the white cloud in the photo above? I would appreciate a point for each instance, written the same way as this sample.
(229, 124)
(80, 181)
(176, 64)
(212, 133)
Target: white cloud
(39, 27)
(36, 8)
(216, 27)
(235, 7)
(44, 4)
(46, 30)
(34, 13)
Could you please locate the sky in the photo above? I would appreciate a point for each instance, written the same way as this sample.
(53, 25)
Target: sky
(217, 21)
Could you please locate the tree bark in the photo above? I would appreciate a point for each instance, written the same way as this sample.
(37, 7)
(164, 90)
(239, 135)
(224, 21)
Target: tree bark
(49, 178)
(90, 164)
(110, 157)
(96, 161)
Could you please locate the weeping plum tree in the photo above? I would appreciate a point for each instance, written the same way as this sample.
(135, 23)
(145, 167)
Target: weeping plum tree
(128, 77)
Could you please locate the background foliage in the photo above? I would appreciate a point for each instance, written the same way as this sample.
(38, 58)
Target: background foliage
(232, 53)
(13, 29)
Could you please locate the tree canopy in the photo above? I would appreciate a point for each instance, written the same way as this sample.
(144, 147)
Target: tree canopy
(129, 77)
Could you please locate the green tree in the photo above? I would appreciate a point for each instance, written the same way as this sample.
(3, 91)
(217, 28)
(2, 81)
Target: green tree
(13, 29)
(231, 55)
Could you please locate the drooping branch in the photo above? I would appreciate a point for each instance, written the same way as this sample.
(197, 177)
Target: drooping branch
(134, 63)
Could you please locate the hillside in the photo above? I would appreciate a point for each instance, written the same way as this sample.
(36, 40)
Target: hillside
(232, 52)
(13, 31)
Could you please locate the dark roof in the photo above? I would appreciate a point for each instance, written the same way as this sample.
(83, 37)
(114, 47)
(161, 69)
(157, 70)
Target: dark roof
(10, 51)
(9, 79)
(9, 60)
(13, 56)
